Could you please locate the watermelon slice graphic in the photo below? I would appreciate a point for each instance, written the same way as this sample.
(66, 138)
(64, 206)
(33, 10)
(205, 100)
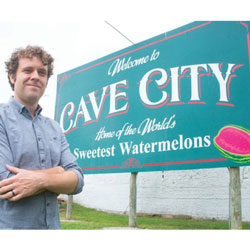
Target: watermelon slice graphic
(234, 143)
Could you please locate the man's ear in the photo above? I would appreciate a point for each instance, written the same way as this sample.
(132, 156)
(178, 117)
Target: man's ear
(12, 79)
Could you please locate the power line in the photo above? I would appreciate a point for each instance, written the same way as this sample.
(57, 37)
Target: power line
(118, 31)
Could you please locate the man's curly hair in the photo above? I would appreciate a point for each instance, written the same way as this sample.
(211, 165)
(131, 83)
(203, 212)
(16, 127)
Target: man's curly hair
(28, 52)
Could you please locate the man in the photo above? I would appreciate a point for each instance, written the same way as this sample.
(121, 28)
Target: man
(35, 161)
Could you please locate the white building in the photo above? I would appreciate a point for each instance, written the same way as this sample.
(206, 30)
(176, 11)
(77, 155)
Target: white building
(200, 193)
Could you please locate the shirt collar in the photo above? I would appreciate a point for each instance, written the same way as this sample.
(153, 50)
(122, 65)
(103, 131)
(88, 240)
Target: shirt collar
(22, 109)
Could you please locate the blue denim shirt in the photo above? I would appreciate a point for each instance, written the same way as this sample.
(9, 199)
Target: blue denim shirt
(32, 144)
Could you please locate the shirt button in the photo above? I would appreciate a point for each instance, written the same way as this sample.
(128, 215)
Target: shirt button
(47, 204)
(43, 160)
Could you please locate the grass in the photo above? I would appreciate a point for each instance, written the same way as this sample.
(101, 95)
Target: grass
(87, 218)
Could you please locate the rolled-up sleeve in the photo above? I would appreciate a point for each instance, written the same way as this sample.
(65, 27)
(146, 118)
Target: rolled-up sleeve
(6, 156)
(68, 162)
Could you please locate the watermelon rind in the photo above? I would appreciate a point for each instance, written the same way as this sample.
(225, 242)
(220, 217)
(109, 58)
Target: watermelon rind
(238, 158)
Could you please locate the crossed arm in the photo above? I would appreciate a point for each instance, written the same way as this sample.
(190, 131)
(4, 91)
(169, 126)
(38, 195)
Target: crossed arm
(31, 182)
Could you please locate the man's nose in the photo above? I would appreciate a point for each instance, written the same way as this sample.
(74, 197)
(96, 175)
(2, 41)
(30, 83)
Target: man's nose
(34, 74)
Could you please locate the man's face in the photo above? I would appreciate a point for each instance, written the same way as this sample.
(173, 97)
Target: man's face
(30, 81)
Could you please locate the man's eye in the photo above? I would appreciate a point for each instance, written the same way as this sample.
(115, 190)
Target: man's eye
(27, 70)
(42, 73)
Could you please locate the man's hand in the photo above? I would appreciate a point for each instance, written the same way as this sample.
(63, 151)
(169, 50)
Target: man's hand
(25, 183)
(31, 182)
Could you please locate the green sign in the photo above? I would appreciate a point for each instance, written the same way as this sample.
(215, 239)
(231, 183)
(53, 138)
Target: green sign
(180, 100)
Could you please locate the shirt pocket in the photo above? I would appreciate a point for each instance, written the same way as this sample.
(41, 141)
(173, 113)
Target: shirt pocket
(55, 150)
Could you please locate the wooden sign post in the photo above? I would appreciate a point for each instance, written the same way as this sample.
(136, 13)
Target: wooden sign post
(69, 207)
(235, 221)
(132, 200)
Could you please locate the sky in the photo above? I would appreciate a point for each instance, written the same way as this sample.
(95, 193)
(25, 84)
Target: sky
(76, 32)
